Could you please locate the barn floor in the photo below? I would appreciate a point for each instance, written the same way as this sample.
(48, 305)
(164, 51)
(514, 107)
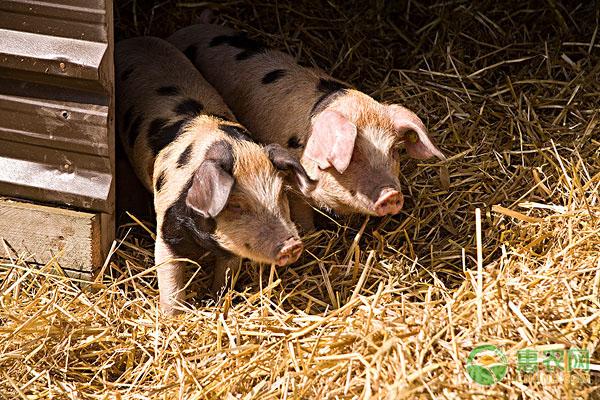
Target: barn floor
(377, 307)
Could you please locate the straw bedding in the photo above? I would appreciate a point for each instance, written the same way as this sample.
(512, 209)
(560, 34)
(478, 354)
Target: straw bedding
(376, 307)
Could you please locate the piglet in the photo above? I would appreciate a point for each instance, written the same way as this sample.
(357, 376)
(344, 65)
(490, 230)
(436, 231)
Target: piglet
(214, 188)
(344, 138)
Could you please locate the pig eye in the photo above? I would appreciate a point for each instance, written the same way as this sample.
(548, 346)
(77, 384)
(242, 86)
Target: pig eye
(236, 205)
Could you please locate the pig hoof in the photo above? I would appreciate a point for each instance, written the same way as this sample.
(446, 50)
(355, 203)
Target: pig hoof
(390, 202)
(289, 252)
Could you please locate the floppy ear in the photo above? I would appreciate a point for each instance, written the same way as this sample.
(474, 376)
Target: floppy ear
(210, 189)
(206, 16)
(332, 141)
(419, 145)
(284, 160)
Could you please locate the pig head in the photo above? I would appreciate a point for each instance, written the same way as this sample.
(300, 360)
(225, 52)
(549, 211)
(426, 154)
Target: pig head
(354, 149)
(229, 197)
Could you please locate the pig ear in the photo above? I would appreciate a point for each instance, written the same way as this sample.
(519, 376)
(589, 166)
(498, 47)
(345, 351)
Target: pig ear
(284, 160)
(210, 189)
(419, 145)
(332, 141)
(206, 17)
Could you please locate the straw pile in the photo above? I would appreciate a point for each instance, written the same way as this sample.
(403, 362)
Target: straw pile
(377, 307)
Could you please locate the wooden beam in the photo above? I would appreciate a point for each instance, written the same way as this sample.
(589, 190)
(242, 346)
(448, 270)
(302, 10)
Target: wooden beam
(41, 232)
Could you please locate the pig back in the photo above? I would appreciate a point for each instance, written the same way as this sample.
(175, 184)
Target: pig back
(269, 92)
(158, 90)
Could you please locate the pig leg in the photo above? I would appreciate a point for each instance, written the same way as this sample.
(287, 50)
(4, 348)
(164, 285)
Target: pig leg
(170, 277)
(301, 213)
(225, 267)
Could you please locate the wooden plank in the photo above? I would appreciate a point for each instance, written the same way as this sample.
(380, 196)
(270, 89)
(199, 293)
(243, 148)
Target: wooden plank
(108, 228)
(57, 129)
(54, 117)
(77, 19)
(57, 102)
(42, 232)
(56, 176)
(50, 54)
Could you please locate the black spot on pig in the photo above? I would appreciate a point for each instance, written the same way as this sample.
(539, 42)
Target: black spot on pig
(294, 143)
(223, 117)
(220, 40)
(329, 86)
(190, 52)
(186, 232)
(168, 91)
(223, 152)
(189, 107)
(160, 134)
(184, 157)
(331, 90)
(134, 131)
(273, 76)
(126, 74)
(155, 126)
(235, 132)
(160, 181)
(250, 47)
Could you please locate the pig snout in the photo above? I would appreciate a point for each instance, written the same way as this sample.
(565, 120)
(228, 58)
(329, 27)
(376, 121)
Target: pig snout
(290, 251)
(390, 202)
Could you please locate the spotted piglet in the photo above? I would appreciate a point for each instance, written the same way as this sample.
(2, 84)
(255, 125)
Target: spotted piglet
(344, 138)
(214, 188)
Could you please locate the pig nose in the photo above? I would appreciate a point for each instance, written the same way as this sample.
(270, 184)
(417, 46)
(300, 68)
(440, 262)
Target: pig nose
(290, 251)
(390, 202)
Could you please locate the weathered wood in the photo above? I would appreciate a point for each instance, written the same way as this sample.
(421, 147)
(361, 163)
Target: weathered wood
(54, 117)
(41, 232)
(56, 176)
(57, 102)
(76, 19)
(57, 131)
(107, 235)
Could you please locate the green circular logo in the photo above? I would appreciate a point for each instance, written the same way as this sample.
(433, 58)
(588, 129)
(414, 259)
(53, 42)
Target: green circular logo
(487, 364)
